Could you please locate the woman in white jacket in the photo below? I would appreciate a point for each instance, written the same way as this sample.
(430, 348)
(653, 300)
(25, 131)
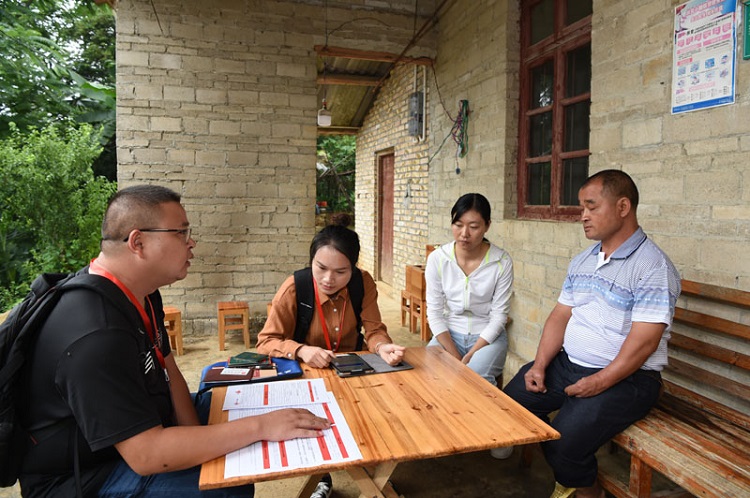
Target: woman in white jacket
(469, 284)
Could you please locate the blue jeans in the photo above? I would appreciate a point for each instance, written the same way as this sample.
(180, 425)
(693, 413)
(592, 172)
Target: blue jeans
(489, 361)
(123, 482)
(584, 424)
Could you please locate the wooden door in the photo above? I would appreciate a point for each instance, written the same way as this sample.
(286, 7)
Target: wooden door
(385, 218)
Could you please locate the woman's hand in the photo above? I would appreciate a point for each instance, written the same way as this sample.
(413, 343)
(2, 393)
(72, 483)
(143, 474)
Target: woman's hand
(315, 357)
(391, 353)
(477, 346)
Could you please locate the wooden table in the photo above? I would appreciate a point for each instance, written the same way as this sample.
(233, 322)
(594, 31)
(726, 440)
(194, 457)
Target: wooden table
(439, 408)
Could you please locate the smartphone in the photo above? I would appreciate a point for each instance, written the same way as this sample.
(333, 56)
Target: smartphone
(350, 364)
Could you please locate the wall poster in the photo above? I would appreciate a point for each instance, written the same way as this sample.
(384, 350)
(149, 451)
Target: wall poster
(704, 57)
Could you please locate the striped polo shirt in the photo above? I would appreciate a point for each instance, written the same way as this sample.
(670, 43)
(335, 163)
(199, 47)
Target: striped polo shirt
(638, 283)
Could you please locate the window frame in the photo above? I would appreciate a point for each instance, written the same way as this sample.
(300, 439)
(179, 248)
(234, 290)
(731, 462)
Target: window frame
(554, 47)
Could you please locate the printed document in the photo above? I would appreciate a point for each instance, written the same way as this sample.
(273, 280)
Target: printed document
(336, 445)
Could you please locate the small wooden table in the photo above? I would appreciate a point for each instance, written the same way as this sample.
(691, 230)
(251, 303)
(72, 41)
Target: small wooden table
(439, 408)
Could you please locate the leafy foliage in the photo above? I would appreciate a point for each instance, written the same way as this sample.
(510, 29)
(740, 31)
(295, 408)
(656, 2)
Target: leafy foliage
(335, 174)
(51, 205)
(57, 64)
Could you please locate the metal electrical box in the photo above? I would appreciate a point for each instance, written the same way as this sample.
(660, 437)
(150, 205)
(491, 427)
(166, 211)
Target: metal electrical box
(416, 113)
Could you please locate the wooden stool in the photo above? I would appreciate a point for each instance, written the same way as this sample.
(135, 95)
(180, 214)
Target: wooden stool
(173, 324)
(418, 311)
(405, 298)
(234, 315)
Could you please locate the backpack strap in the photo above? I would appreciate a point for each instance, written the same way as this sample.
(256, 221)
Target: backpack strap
(306, 303)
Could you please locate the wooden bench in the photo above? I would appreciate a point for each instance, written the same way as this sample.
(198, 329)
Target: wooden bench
(698, 436)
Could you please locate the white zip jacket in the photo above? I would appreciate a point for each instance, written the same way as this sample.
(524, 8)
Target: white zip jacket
(474, 304)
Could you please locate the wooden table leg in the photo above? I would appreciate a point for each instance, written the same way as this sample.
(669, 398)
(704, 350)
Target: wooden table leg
(375, 484)
(309, 486)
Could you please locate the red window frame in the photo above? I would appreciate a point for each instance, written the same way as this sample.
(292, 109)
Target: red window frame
(554, 47)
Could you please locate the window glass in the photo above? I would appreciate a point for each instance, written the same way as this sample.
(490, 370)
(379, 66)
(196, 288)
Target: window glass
(575, 172)
(542, 20)
(542, 85)
(554, 107)
(539, 182)
(577, 10)
(578, 71)
(540, 135)
(577, 126)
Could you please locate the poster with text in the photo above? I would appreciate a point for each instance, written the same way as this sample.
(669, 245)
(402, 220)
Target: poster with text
(705, 37)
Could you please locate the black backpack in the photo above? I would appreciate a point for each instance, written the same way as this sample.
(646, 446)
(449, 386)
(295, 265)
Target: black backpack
(306, 302)
(17, 338)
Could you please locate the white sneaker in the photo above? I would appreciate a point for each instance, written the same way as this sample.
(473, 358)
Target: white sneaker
(502, 453)
(324, 488)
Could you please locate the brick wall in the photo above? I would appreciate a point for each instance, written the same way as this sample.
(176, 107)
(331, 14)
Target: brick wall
(385, 131)
(217, 100)
(691, 169)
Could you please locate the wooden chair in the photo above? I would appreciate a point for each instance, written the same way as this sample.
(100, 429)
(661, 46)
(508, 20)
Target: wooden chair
(416, 292)
(234, 315)
(405, 309)
(173, 324)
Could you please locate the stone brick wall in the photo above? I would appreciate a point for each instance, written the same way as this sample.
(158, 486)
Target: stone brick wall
(691, 169)
(385, 130)
(217, 100)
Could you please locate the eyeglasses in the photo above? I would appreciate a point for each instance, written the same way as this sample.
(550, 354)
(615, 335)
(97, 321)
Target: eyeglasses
(185, 232)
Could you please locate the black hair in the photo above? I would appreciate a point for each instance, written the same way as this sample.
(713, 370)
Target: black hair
(338, 236)
(134, 207)
(471, 202)
(617, 184)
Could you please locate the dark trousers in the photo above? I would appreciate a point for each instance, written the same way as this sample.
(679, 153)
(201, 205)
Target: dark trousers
(584, 424)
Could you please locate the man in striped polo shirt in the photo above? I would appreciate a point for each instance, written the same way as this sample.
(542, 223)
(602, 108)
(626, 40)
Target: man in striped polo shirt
(605, 342)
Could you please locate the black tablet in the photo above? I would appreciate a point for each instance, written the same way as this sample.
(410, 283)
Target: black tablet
(349, 364)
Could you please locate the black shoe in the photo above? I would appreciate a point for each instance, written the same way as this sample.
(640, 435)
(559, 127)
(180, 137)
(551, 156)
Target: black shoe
(324, 488)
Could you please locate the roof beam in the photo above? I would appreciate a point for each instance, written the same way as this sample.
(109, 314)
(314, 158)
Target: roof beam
(368, 55)
(347, 79)
(337, 130)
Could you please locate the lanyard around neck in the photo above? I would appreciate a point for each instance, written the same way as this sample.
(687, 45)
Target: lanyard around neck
(323, 324)
(148, 321)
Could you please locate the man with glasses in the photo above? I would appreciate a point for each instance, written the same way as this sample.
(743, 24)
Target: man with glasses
(104, 391)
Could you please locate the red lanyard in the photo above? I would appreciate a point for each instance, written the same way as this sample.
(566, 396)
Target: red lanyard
(149, 322)
(323, 324)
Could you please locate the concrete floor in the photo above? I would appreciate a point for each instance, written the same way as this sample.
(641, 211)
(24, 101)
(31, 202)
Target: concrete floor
(468, 475)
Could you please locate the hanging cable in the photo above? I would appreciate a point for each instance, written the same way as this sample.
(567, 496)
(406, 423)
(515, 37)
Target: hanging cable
(460, 132)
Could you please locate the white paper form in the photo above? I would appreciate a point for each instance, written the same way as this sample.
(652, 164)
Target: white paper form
(268, 394)
(336, 445)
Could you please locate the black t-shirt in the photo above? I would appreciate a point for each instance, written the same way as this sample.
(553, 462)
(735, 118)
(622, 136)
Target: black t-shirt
(93, 363)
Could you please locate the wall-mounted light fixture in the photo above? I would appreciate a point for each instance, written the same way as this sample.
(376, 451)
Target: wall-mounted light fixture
(324, 115)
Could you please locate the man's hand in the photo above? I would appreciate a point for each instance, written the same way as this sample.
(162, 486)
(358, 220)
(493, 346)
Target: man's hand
(586, 387)
(290, 423)
(315, 357)
(391, 353)
(534, 379)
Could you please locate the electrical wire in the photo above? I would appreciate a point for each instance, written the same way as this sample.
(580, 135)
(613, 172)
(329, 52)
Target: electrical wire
(459, 132)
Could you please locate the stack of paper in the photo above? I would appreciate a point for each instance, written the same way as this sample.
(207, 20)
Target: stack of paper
(335, 445)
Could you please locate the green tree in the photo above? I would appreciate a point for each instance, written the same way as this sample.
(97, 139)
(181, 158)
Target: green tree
(51, 205)
(57, 63)
(335, 172)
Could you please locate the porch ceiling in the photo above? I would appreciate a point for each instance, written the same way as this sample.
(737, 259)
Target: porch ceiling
(349, 81)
